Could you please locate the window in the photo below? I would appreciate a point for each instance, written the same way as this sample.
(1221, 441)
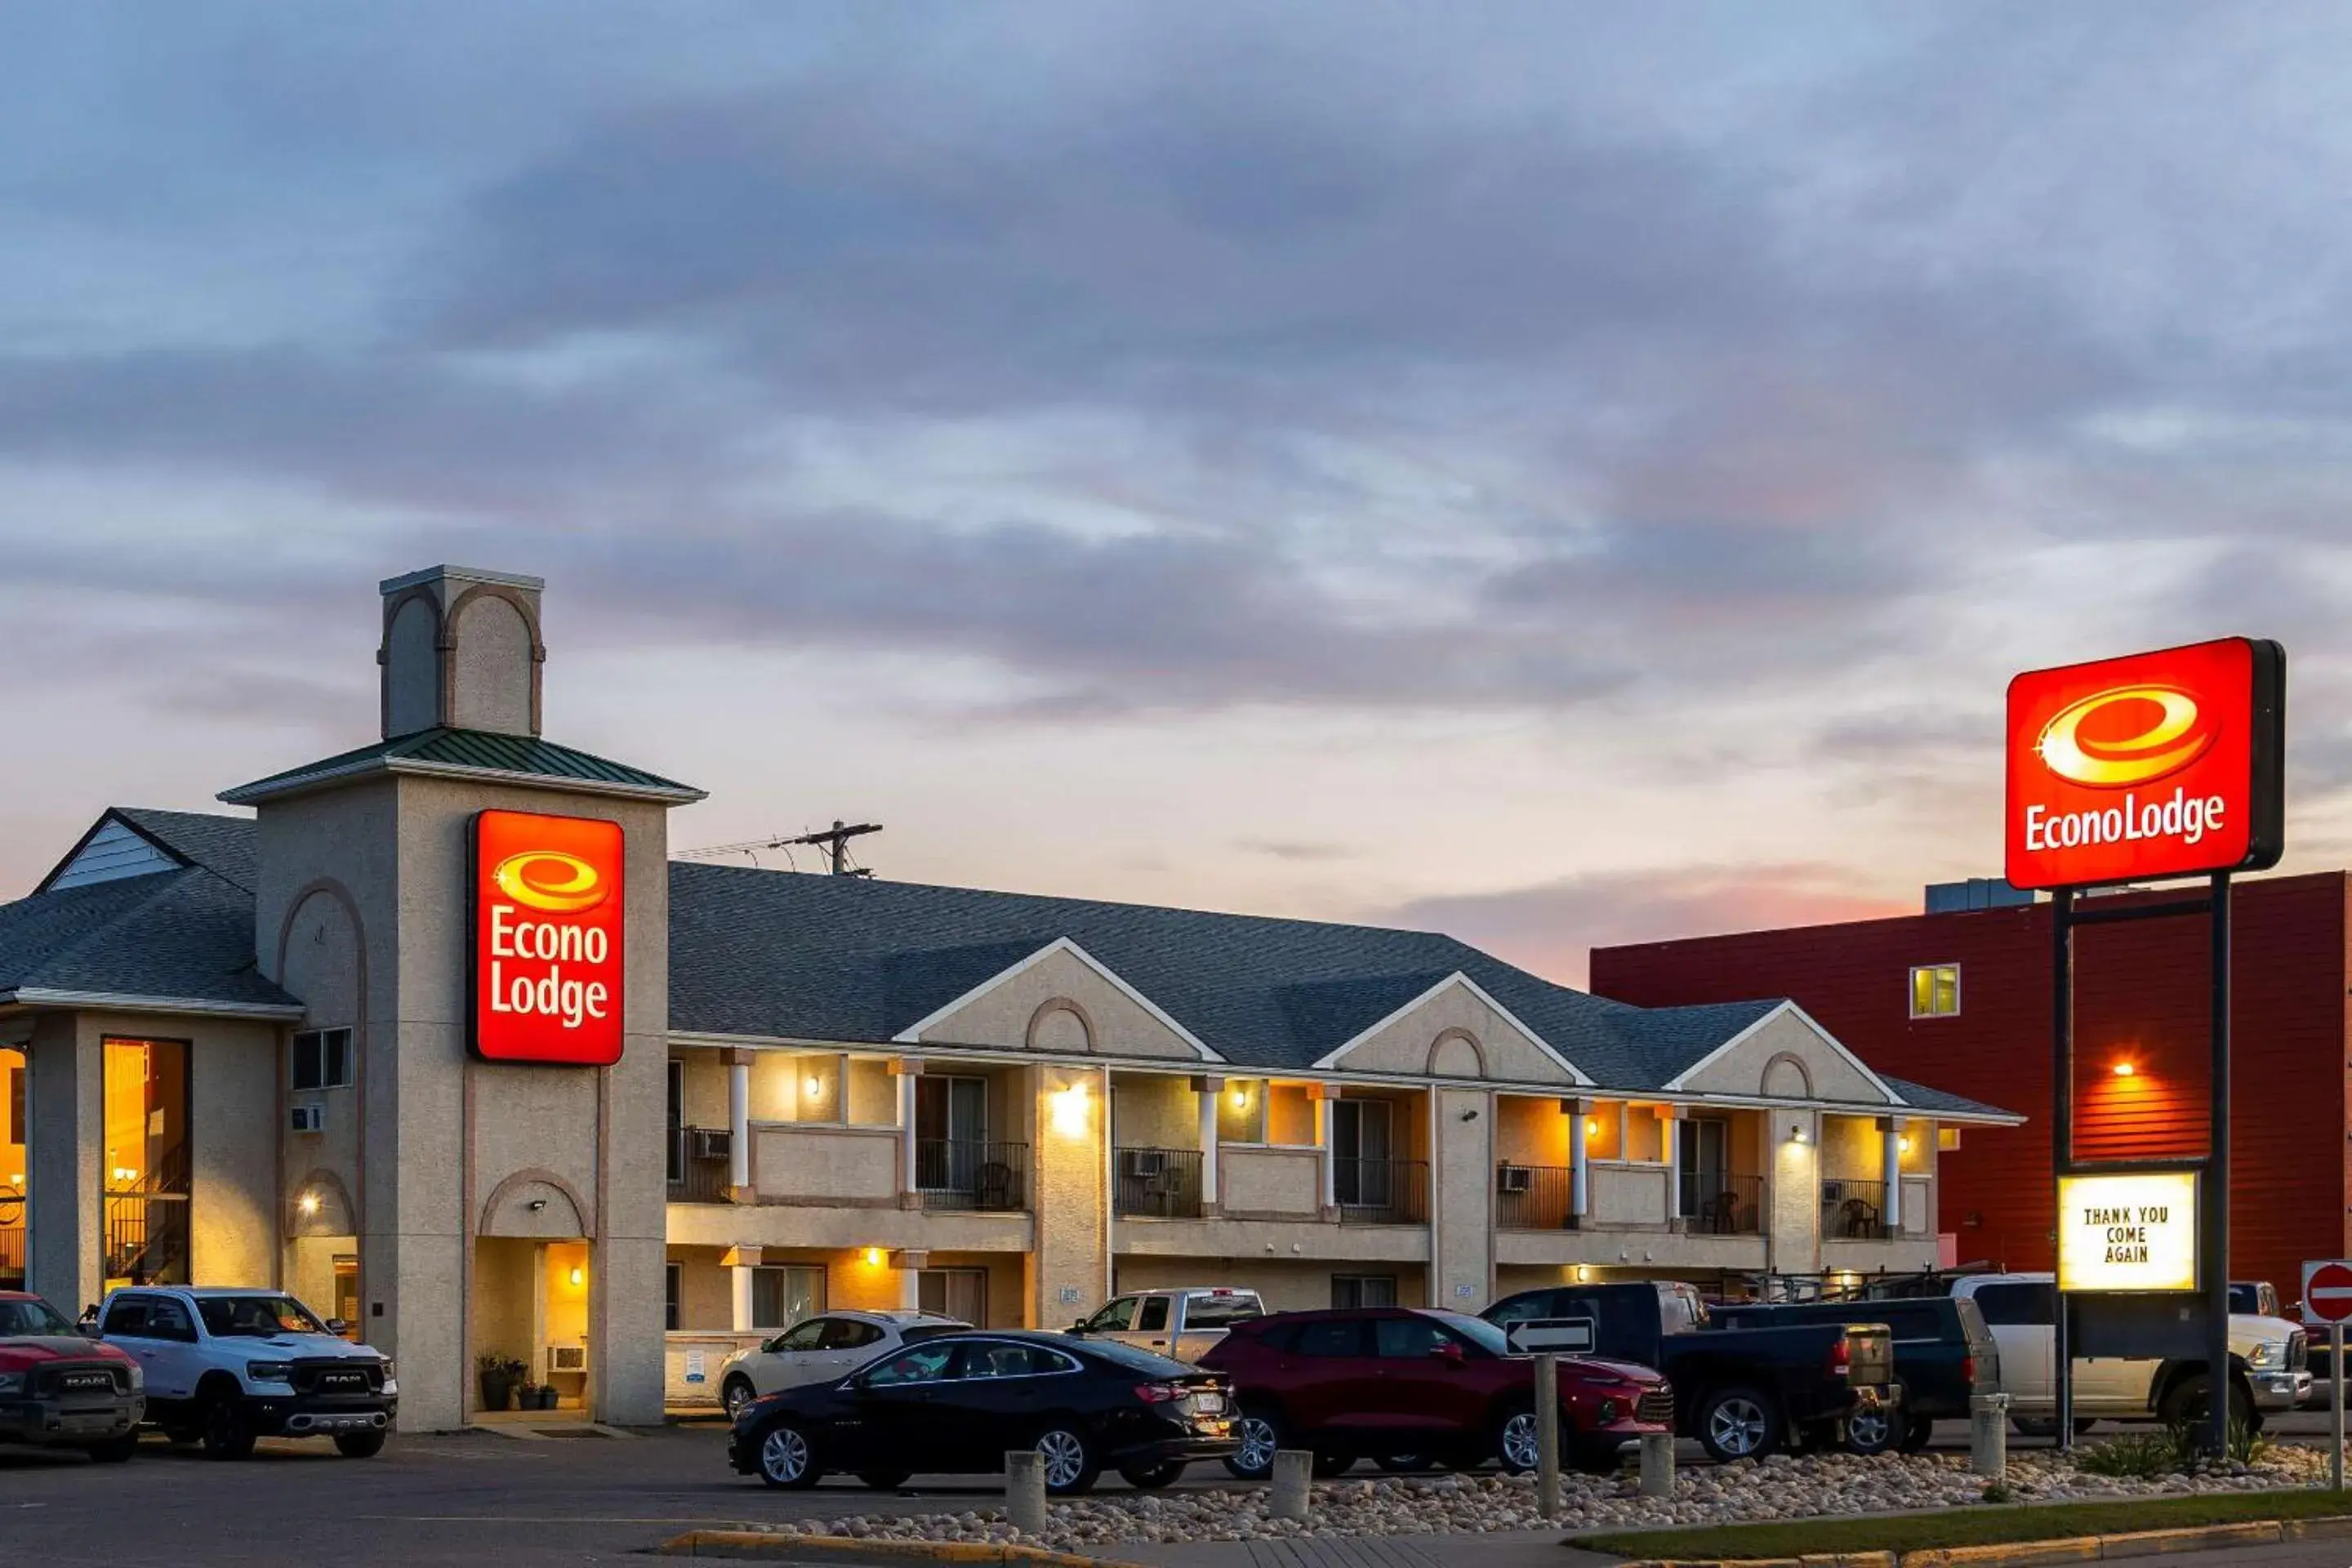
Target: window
(1153, 1319)
(256, 1317)
(126, 1319)
(1349, 1291)
(673, 1288)
(847, 1335)
(1330, 1340)
(1362, 1148)
(924, 1364)
(958, 1293)
(1117, 1318)
(809, 1336)
(1219, 1310)
(1009, 1359)
(167, 1320)
(781, 1296)
(1935, 991)
(322, 1058)
(2011, 1305)
(1407, 1339)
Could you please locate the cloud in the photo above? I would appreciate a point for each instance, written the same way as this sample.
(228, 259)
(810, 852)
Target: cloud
(1297, 850)
(1552, 927)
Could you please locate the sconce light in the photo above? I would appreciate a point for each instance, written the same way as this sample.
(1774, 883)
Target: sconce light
(1471, 1115)
(1241, 1097)
(1903, 1144)
(536, 1204)
(815, 1087)
(873, 1257)
(1797, 1134)
(1070, 1110)
(309, 1203)
(579, 1277)
(1593, 1127)
(2125, 1070)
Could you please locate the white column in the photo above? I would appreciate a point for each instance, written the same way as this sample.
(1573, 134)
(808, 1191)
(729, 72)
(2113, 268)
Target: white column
(739, 1120)
(1208, 1088)
(1322, 1142)
(1667, 1133)
(1580, 1167)
(907, 1081)
(740, 1279)
(1890, 1151)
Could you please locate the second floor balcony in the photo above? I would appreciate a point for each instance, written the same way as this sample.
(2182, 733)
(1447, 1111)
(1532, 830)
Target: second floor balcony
(972, 1174)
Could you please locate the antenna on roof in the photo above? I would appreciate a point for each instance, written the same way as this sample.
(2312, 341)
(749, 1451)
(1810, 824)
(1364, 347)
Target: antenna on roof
(833, 840)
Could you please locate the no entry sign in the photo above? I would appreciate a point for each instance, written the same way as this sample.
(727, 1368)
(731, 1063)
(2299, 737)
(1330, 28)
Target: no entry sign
(2327, 1292)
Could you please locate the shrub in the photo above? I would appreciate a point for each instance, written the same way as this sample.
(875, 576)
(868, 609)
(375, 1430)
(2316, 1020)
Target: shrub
(2151, 1456)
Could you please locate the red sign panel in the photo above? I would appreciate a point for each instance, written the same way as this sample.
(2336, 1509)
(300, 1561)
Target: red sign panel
(549, 913)
(2327, 1292)
(2158, 764)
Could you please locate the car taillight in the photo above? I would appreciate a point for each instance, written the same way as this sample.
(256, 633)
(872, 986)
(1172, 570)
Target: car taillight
(1968, 1371)
(1158, 1392)
(1841, 1358)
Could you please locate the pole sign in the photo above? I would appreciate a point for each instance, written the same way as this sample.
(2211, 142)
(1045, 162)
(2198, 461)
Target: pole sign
(2127, 1231)
(2153, 766)
(547, 954)
(2326, 1293)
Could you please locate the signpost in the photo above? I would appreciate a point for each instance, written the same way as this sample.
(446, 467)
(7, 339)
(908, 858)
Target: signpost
(2152, 766)
(2327, 1300)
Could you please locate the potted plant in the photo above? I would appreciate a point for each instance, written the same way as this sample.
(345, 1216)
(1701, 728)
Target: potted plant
(497, 1377)
(527, 1397)
(547, 1396)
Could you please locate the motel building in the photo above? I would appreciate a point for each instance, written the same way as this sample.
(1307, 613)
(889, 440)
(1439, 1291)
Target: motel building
(434, 1034)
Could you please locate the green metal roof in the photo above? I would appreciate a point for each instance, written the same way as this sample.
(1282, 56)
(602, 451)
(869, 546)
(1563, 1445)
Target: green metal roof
(470, 752)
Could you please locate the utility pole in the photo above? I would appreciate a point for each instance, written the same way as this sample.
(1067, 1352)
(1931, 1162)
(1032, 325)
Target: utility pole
(834, 841)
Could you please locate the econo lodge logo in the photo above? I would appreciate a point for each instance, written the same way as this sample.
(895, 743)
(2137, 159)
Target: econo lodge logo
(548, 924)
(2155, 765)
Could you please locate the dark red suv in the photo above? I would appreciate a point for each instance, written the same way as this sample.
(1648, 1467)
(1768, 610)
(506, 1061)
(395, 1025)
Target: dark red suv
(1405, 1387)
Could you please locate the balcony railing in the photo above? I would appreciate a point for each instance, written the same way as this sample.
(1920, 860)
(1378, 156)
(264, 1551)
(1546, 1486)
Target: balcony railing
(1721, 1205)
(698, 1163)
(1381, 1191)
(1159, 1184)
(1853, 1211)
(968, 1173)
(1532, 1197)
(12, 1244)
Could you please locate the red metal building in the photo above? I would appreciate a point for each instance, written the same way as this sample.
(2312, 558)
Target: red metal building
(1962, 1000)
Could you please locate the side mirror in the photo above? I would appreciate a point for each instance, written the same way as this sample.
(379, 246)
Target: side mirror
(1079, 1326)
(1449, 1354)
(338, 1326)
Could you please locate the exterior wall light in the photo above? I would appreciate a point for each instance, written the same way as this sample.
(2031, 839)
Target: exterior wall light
(1070, 1110)
(2125, 1070)
(1241, 1097)
(308, 1205)
(1903, 1144)
(1593, 1127)
(873, 1257)
(579, 1277)
(1797, 1134)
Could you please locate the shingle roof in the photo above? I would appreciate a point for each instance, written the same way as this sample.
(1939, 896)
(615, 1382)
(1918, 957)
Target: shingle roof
(444, 751)
(221, 845)
(184, 936)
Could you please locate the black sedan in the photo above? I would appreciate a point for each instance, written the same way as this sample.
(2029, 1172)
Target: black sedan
(954, 1404)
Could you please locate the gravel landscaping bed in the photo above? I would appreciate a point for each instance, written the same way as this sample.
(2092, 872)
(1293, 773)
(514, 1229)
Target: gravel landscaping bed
(1782, 1488)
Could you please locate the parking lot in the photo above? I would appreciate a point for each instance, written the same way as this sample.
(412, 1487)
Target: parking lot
(471, 1497)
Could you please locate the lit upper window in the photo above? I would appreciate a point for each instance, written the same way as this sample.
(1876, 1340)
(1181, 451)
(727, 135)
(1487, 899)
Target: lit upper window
(1935, 991)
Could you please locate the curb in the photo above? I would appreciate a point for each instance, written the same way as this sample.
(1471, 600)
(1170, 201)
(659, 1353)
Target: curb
(2029, 1554)
(841, 1549)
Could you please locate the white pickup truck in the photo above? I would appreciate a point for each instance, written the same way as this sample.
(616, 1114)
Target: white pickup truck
(1181, 1324)
(2267, 1363)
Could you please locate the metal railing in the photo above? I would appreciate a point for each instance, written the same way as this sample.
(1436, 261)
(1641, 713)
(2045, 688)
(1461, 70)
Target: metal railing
(1158, 1184)
(1533, 1197)
(12, 1244)
(971, 1174)
(1721, 1205)
(1853, 1211)
(1381, 1191)
(146, 1237)
(696, 1178)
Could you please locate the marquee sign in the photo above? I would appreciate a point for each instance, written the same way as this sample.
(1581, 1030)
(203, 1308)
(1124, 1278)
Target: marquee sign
(2154, 765)
(2134, 1231)
(547, 956)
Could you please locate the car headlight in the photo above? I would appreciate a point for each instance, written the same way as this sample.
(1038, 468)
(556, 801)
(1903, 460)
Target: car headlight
(391, 1371)
(12, 1382)
(138, 1377)
(2271, 1353)
(269, 1371)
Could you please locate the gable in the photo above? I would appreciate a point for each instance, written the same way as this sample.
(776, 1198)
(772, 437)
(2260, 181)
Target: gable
(1786, 1056)
(111, 852)
(1058, 1001)
(1453, 1029)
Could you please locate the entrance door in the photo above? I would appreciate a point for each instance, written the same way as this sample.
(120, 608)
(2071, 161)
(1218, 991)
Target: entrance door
(1362, 1150)
(1704, 1147)
(347, 1296)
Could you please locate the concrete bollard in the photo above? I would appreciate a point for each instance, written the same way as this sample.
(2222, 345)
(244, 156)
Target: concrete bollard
(1989, 1436)
(1294, 1471)
(1657, 1464)
(1024, 1490)
(1548, 1435)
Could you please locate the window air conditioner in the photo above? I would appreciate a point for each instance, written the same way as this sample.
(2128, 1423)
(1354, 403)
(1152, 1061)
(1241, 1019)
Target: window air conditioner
(1512, 1179)
(1145, 1164)
(569, 1358)
(1832, 1193)
(310, 1118)
(711, 1143)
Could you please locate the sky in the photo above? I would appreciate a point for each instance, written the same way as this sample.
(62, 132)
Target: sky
(1560, 474)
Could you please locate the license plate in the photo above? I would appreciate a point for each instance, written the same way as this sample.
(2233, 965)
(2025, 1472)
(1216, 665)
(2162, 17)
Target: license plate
(104, 1423)
(1208, 1404)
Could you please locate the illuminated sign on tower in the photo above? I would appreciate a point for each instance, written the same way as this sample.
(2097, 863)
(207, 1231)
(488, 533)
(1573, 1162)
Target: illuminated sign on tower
(548, 922)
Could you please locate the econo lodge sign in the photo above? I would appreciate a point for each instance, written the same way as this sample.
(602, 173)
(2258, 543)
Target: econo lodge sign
(549, 913)
(2157, 764)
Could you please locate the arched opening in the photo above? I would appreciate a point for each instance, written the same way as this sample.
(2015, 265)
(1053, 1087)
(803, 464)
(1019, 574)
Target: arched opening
(533, 1270)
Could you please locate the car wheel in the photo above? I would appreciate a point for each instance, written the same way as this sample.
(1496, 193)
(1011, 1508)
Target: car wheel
(1918, 1433)
(1071, 1467)
(228, 1434)
(1739, 1423)
(359, 1444)
(1151, 1478)
(735, 1393)
(1261, 1434)
(114, 1450)
(885, 1481)
(1873, 1432)
(786, 1459)
(1515, 1442)
(2192, 1398)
